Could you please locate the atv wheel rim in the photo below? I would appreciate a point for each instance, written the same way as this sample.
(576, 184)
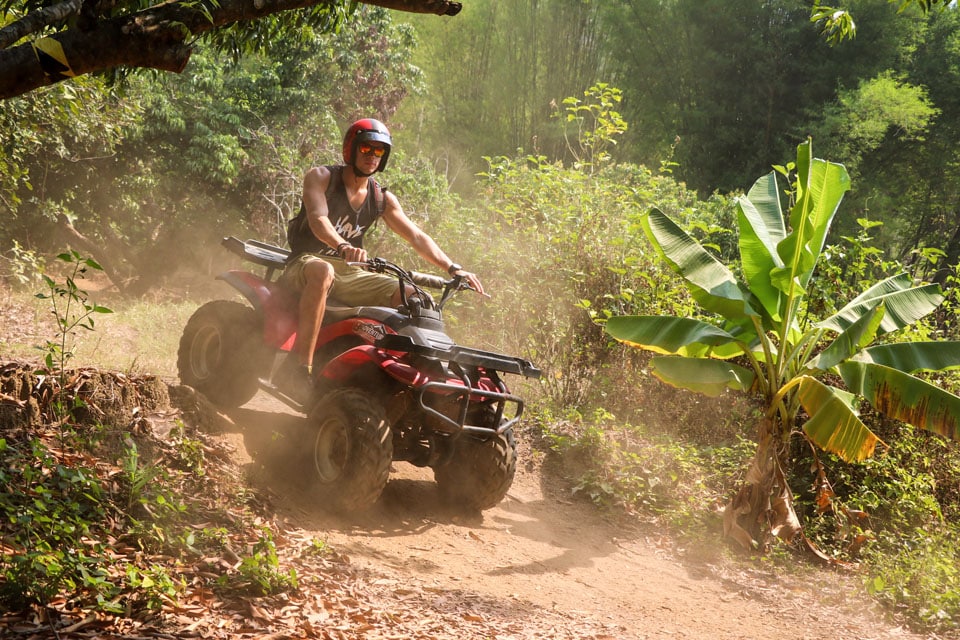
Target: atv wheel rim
(205, 352)
(331, 451)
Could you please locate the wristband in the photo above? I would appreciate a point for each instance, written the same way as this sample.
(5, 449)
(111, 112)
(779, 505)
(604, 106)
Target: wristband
(340, 248)
(453, 268)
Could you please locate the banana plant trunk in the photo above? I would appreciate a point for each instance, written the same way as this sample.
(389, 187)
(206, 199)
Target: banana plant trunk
(764, 503)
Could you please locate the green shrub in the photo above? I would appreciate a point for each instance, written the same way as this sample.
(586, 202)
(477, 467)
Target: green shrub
(49, 509)
(624, 467)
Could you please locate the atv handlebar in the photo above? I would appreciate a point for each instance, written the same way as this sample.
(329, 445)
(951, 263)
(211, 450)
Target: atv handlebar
(275, 258)
(417, 279)
(428, 280)
(380, 265)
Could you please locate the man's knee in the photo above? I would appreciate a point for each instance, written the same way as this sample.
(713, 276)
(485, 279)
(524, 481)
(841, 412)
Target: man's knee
(318, 274)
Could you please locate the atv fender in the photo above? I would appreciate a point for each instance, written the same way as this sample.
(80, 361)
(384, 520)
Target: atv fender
(277, 306)
(342, 369)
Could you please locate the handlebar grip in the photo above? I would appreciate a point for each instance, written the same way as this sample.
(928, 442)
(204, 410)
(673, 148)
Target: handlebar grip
(428, 280)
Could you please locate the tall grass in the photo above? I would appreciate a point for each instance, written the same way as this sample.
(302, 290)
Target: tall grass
(141, 336)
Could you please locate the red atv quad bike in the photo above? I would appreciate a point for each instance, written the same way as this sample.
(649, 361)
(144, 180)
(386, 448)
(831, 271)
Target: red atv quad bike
(390, 384)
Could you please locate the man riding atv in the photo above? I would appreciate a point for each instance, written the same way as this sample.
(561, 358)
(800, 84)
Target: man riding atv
(340, 204)
(387, 382)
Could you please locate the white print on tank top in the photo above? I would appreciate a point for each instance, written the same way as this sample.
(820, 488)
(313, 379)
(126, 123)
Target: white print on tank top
(347, 229)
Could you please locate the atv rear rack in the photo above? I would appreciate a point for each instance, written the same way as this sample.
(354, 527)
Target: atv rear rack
(266, 255)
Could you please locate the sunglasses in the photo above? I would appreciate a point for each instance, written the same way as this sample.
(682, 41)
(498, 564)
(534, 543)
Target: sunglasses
(367, 149)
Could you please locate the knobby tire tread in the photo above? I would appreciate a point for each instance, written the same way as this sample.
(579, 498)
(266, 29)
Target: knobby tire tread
(231, 379)
(371, 448)
(480, 472)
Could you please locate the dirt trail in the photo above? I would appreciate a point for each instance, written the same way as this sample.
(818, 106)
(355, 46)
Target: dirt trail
(539, 550)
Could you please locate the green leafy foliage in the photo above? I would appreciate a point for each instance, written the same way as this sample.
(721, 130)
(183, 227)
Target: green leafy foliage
(71, 308)
(22, 266)
(154, 585)
(148, 177)
(553, 247)
(764, 322)
(76, 524)
(896, 514)
(878, 110)
(496, 75)
(836, 25)
(261, 569)
(69, 131)
(564, 257)
(597, 124)
(51, 508)
(75, 499)
(625, 468)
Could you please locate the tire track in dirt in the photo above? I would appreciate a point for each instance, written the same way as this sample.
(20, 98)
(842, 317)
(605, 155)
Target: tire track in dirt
(544, 552)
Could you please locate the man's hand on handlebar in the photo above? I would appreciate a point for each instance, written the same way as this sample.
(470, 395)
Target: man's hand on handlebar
(353, 254)
(472, 282)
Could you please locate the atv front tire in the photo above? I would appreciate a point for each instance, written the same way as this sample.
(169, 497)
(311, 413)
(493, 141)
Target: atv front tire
(480, 472)
(352, 448)
(222, 354)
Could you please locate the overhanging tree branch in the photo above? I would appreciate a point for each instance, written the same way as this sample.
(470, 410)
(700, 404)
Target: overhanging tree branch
(36, 21)
(158, 37)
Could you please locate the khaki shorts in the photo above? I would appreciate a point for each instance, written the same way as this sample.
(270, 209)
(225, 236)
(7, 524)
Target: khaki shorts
(352, 286)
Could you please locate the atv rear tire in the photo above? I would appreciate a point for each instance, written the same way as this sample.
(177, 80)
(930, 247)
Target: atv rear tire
(480, 472)
(352, 448)
(222, 354)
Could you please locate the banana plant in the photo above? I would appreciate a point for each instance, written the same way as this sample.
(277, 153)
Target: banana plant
(756, 336)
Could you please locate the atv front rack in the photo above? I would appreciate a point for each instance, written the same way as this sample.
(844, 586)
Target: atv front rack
(465, 393)
(461, 355)
(465, 396)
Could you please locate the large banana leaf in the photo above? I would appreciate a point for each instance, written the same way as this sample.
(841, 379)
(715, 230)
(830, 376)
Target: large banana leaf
(667, 334)
(905, 304)
(761, 229)
(712, 284)
(820, 189)
(911, 357)
(706, 376)
(856, 337)
(833, 424)
(904, 397)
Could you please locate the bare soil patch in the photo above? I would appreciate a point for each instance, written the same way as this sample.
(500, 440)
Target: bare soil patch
(542, 558)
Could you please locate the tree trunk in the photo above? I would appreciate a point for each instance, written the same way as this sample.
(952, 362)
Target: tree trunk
(82, 244)
(156, 38)
(763, 504)
(950, 261)
(745, 515)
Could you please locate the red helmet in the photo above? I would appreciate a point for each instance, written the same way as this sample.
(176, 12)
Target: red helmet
(366, 130)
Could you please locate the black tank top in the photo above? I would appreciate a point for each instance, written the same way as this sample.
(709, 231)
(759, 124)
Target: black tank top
(350, 223)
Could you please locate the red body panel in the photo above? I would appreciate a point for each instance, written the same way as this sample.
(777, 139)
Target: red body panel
(279, 307)
(280, 317)
(341, 367)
